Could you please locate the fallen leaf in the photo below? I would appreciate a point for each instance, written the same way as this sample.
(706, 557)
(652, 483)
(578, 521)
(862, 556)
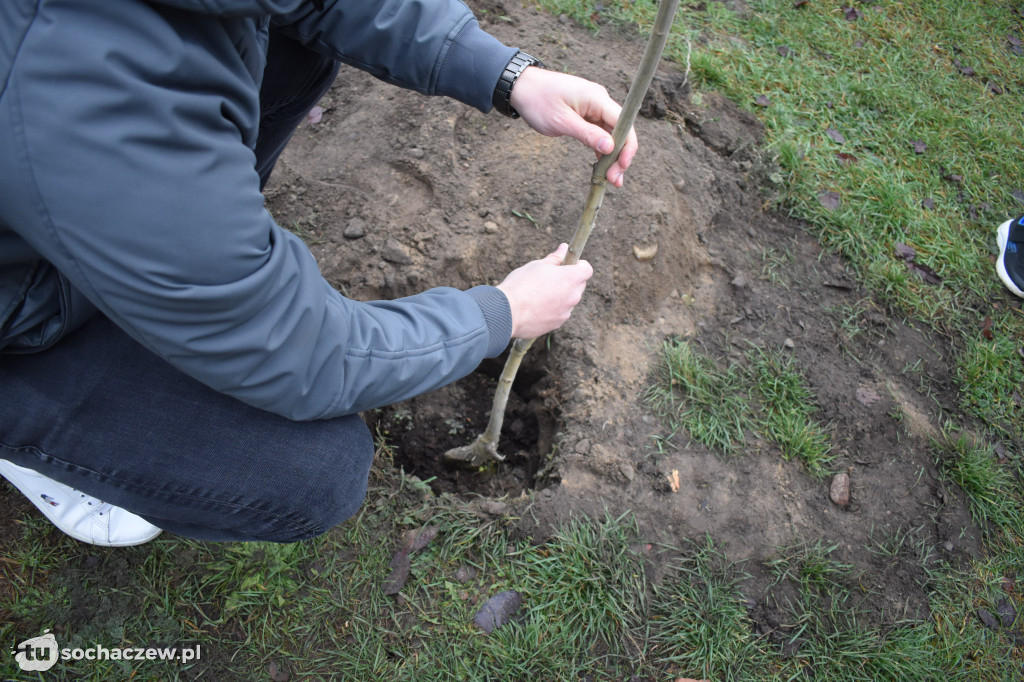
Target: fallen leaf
(986, 329)
(1007, 614)
(994, 88)
(835, 135)
(925, 273)
(851, 13)
(928, 203)
(919, 146)
(955, 178)
(800, 3)
(497, 610)
(988, 619)
(396, 580)
(415, 540)
(645, 253)
(829, 200)
(762, 101)
(784, 51)
(905, 252)
(846, 159)
(1018, 195)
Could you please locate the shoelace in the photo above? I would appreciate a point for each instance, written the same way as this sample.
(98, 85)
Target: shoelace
(101, 507)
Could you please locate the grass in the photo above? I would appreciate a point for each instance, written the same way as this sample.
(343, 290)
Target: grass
(717, 402)
(695, 392)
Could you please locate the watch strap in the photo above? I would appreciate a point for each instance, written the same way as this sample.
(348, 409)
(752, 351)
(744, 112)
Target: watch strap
(503, 90)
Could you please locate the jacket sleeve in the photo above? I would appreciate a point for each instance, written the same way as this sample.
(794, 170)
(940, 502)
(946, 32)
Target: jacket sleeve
(435, 47)
(134, 181)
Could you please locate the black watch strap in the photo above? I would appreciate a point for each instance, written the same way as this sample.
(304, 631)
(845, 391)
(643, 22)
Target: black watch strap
(503, 90)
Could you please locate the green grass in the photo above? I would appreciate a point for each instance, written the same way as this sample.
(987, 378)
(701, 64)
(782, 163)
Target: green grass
(591, 609)
(694, 392)
(991, 486)
(788, 411)
(718, 402)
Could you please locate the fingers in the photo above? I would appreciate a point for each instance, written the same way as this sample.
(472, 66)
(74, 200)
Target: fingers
(542, 293)
(560, 104)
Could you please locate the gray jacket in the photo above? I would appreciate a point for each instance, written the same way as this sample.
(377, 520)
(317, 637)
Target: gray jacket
(127, 184)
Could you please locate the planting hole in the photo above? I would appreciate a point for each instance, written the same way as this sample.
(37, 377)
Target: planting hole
(419, 431)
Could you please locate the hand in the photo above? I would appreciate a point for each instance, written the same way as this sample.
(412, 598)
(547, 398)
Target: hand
(543, 292)
(556, 104)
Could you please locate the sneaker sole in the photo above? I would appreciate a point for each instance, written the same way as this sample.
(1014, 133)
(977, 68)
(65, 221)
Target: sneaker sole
(1003, 236)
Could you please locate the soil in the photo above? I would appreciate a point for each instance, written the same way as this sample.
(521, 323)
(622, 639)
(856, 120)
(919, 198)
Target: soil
(398, 192)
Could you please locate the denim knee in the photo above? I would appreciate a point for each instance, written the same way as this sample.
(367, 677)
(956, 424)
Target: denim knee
(324, 495)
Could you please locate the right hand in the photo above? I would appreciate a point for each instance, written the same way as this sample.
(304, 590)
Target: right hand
(543, 292)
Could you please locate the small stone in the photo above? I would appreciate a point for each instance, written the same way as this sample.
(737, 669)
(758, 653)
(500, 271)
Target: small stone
(490, 227)
(355, 229)
(788, 343)
(417, 153)
(645, 253)
(396, 252)
(583, 447)
(627, 471)
(483, 211)
(948, 546)
(839, 491)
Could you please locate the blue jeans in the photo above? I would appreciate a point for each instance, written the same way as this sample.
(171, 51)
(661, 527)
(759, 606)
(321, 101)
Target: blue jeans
(102, 414)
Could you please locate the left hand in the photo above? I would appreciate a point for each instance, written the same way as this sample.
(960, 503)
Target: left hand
(554, 104)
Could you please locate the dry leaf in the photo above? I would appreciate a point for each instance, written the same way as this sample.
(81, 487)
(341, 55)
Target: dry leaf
(497, 610)
(415, 540)
(673, 480)
(829, 200)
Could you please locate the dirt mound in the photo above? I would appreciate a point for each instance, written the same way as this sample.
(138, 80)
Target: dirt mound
(397, 193)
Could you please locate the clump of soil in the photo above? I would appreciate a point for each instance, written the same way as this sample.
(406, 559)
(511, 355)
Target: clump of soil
(397, 193)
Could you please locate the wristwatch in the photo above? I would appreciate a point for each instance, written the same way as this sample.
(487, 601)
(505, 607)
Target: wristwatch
(503, 90)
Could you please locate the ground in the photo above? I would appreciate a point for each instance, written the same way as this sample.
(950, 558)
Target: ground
(397, 192)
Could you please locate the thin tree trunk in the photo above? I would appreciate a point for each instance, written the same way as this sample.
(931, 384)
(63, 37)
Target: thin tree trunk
(485, 448)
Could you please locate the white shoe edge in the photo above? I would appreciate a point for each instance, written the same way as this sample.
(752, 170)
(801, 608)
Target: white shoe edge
(1002, 236)
(18, 475)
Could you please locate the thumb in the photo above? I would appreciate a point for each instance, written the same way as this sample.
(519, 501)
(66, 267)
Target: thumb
(558, 255)
(595, 137)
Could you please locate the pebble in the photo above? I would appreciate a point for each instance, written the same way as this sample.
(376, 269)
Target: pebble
(355, 229)
(490, 227)
(396, 252)
(839, 491)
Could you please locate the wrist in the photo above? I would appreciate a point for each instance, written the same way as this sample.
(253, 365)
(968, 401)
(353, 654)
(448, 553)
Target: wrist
(502, 97)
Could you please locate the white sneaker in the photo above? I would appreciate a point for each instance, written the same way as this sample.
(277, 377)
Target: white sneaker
(80, 516)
